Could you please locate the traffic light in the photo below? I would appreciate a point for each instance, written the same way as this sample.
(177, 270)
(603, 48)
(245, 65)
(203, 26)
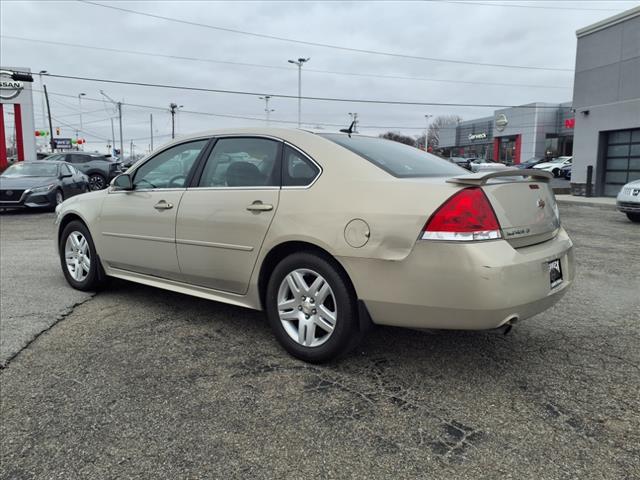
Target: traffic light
(57, 130)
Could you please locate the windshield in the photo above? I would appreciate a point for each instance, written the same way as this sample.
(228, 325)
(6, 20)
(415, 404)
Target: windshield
(560, 160)
(32, 170)
(398, 159)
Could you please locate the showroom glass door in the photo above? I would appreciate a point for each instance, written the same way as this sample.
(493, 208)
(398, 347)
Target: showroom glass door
(622, 160)
(507, 149)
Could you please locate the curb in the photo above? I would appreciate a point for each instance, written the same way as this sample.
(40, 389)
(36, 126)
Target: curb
(604, 206)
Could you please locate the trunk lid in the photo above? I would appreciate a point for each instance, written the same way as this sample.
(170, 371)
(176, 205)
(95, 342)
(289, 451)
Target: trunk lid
(526, 208)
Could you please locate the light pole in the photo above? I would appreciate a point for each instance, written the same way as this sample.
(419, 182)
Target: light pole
(267, 110)
(173, 107)
(80, 95)
(426, 132)
(299, 63)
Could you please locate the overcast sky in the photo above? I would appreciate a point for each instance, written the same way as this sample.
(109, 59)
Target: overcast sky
(543, 36)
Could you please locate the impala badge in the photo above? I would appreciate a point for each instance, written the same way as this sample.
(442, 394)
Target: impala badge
(540, 203)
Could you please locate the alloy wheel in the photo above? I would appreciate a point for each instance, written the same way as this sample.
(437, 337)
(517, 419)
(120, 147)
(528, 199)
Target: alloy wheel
(77, 256)
(96, 182)
(59, 197)
(307, 307)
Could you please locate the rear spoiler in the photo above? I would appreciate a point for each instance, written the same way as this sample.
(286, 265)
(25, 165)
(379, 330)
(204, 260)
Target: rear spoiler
(481, 178)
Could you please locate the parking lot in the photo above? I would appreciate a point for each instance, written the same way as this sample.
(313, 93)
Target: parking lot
(135, 382)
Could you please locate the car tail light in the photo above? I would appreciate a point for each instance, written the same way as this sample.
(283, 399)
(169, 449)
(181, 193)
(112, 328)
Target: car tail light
(467, 215)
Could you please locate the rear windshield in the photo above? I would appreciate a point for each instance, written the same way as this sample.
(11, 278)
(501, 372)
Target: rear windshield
(398, 159)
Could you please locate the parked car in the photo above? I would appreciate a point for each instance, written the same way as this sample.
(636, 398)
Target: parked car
(484, 165)
(43, 184)
(628, 200)
(292, 222)
(565, 172)
(555, 165)
(461, 162)
(530, 163)
(100, 169)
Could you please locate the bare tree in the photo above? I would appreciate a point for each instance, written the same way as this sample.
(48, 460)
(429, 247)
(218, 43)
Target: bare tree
(439, 123)
(398, 137)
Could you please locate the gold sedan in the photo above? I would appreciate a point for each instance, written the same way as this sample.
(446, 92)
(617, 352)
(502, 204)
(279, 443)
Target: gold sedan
(328, 233)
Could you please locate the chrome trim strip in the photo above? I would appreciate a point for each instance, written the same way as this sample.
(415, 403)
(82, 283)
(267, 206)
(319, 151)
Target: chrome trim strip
(139, 237)
(233, 188)
(304, 187)
(228, 246)
(112, 189)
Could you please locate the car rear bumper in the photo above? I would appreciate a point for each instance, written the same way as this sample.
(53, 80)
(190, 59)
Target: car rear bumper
(471, 286)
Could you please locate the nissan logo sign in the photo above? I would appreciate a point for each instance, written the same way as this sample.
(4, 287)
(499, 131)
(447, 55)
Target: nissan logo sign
(501, 122)
(9, 88)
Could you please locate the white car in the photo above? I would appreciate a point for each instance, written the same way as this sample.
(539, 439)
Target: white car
(554, 165)
(628, 200)
(483, 165)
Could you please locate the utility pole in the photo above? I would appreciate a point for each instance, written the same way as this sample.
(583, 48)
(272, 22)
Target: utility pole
(40, 73)
(151, 129)
(299, 63)
(131, 151)
(173, 108)
(119, 107)
(267, 110)
(426, 133)
(113, 139)
(46, 97)
(354, 119)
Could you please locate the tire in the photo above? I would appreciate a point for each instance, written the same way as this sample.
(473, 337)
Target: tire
(97, 182)
(59, 197)
(90, 278)
(634, 217)
(305, 332)
(556, 173)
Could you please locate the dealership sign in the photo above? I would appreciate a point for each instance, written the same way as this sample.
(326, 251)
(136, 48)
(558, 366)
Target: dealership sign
(62, 143)
(477, 136)
(501, 122)
(9, 88)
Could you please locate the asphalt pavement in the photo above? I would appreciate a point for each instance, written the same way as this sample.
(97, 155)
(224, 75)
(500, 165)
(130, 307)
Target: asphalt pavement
(142, 383)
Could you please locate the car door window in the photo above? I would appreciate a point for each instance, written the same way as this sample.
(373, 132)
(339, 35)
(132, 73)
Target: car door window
(298, 170)
(170, 168)
(242, 162)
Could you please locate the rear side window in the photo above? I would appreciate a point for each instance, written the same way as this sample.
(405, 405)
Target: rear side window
(242, 162)
(396, 158)
(298, 170)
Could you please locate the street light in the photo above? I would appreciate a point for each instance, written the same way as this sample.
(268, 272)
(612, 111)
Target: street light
(354, 120)
(426, 132)
(299, 63)
(173, 107)
(80, 95)
(267, 110)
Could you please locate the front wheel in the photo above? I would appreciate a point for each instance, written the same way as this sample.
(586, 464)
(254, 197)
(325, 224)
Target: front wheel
(634, 217)
(556, 173)
(78, 258)
(312, 308)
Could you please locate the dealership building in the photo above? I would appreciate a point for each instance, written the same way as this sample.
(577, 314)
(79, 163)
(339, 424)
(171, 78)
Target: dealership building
(606, 100)
(513, 135)
(600, 128)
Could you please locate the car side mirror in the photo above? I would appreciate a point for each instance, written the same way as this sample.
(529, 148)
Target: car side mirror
(123, 182)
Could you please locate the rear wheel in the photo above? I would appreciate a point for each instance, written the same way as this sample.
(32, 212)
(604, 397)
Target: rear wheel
(311, 308)
(634, 217)
(97, 182)
(78, 257)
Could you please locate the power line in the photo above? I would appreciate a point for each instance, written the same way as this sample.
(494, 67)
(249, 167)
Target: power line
(279, 95)
(275, 67)
(515, 5)
(324, 45)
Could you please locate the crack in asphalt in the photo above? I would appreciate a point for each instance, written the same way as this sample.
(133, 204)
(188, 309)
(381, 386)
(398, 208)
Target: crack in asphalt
(65, 313)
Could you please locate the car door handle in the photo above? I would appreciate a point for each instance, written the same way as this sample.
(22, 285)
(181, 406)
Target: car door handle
(258, 206)
(162, 205)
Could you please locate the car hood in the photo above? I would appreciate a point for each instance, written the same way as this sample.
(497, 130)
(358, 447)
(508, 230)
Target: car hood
(635, 183)
(548, 164)
(22, 183)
